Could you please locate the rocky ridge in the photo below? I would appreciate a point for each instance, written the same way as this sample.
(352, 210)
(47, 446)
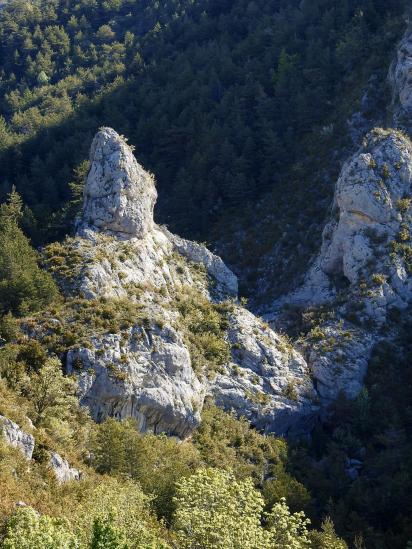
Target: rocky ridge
(188, 337)
(154, 322)
(361, 279)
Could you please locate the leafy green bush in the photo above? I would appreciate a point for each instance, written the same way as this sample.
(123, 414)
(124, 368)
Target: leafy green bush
(26, 529)
(214, 510)
(106, 535)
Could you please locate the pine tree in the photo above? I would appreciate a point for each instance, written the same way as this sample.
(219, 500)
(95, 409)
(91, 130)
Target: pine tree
(24, 287)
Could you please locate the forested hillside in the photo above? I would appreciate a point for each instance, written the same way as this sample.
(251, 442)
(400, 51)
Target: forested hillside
(244, 111)
(226, 102)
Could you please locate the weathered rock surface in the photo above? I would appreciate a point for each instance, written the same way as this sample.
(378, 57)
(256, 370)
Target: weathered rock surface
(146, 375)
(112, 268)
(62, 469)
(371, 208)
(119, 194)
(147, 370)
(16, 437)
(339, 361)
(267, 381)
(363, 270)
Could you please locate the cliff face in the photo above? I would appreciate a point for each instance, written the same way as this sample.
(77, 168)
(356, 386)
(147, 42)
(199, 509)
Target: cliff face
(186, 336)
(362, 276)
(183, 335)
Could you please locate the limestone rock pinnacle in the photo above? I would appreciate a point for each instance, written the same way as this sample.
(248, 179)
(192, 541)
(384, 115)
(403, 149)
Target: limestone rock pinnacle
(119, 195)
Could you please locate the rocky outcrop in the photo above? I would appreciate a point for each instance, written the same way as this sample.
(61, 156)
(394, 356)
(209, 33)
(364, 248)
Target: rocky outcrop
(16, 437)
(119, 196)
(363, 271)
(180, 344)
(362, 275)
(370, 217)
(338, 357)
(62, 470)
(145, 374)
(373, 201)
(266, 381)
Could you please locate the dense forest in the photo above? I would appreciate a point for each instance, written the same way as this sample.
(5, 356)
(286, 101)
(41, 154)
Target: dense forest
(240, 109)
(228, 103)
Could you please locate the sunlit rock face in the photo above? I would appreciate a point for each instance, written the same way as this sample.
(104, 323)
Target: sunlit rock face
(119, 196)
(364, 267)
(370, 211)
(146, 371)
(62, 469)
(16, 437)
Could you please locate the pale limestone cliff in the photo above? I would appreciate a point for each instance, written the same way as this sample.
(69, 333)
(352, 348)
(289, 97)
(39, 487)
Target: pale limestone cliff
(189, 338)
(119, 196)
(363, 270)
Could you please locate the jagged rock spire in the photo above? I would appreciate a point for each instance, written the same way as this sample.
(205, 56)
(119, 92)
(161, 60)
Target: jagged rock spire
(120, 195)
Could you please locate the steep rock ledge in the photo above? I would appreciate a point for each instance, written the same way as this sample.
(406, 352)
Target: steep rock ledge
(362, 274)
(154, 325)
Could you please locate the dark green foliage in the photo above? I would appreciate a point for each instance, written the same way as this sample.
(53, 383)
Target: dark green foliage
(18, 359)
(224, 441)
(24, 287)
(224, 104)
(156, 462)
(376, 431)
